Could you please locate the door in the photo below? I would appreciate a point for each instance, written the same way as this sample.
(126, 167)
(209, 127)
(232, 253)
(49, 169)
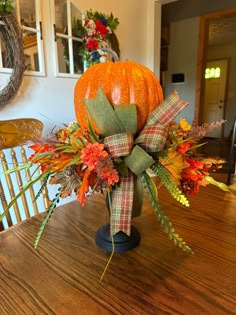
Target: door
(215, 91)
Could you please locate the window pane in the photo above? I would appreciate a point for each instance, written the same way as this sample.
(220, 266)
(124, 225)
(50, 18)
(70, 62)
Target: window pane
(217, 72)
(28, 13)
(78, 62)
(212, 73)
(207, 73)
(63, 55)
(76, 22)
(61, 16)
(31, 51)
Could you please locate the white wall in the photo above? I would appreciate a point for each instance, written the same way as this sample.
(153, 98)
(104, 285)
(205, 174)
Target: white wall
(182, 58)
(50, 99)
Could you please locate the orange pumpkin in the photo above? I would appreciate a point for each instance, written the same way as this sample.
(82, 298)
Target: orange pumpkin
(123, 83)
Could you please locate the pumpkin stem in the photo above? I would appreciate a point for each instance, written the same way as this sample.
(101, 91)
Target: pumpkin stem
(112, 53)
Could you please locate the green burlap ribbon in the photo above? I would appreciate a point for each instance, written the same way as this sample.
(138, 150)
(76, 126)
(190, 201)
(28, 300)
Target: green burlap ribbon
(118, 126)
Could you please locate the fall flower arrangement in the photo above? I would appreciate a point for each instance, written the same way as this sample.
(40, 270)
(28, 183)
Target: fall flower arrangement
(84, 162)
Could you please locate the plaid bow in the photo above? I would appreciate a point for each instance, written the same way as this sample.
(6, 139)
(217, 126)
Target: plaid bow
(119, 142)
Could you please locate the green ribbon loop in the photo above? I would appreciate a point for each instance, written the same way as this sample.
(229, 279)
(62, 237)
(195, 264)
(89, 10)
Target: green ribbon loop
(111, 121)
(138, 161)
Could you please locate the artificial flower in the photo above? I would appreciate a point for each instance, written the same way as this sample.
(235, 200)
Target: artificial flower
(184, 125)
(91, 154)
(174, 162)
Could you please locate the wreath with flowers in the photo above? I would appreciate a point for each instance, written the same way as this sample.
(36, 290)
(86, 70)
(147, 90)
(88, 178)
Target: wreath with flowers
(97, 33)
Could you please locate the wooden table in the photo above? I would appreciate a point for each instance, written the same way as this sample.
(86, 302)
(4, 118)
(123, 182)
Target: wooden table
(62, 275)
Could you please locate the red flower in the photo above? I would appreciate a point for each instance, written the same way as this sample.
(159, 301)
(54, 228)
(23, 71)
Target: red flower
(193, 171)
(40, 148)
(184, 147)
(92, 44)
(193, 176)
(111, 175)
(101, 28)
(92, 153)
(37, 156)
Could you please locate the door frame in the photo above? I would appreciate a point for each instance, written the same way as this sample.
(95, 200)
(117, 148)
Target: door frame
(202, 59)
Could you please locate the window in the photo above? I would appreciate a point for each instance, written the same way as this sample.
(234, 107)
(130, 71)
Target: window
(66, 18)
(212, 73)
(28, 13)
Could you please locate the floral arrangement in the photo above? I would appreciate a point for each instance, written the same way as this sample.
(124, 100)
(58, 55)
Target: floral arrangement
(96, 30)
(84, 162)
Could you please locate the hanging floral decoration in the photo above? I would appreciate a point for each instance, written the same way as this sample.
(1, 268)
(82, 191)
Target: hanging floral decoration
(98, 28)
(96, 31)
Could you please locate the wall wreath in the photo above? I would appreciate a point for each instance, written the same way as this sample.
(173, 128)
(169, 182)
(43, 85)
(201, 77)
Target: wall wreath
(11, 35)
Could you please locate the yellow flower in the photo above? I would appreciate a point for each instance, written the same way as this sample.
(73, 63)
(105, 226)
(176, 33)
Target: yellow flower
(174, 163)
(184, 125)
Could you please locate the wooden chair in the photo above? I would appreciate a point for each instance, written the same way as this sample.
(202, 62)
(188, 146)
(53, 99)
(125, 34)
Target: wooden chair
(13, 134)
(231, 165)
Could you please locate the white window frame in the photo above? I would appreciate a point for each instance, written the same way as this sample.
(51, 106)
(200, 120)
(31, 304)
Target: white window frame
(68, 37)
(38, 32)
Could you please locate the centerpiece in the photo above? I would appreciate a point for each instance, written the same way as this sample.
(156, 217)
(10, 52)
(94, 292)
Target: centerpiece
(124, 134)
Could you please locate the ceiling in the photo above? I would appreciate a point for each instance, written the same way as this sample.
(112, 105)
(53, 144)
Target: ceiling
(222, 31)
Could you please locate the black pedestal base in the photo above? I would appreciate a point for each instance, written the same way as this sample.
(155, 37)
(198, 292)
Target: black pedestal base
(122, 241)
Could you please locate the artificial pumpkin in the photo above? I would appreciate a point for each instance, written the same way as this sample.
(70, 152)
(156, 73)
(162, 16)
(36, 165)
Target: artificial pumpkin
(122, 83)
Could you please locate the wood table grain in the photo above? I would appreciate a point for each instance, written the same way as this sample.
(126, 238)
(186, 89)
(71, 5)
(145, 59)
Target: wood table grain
(63, 275)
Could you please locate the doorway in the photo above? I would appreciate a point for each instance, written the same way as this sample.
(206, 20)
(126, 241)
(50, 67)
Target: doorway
(216, 74)
(204, 38)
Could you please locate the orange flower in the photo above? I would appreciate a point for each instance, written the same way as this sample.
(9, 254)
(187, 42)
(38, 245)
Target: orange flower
(184, 147)
(60, 161)
(92, 153)
(111, 175)
(83, 188)
(193, 176)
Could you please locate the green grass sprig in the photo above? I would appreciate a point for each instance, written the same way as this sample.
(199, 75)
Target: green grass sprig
(47, 217)
(44, 182)
(165, 177)
(162, 218)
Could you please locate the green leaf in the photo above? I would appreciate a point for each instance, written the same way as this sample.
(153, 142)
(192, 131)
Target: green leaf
(47, 217)
(220, 185)
(79, 144)
(164, 220)
(166, 179)
(75, 160)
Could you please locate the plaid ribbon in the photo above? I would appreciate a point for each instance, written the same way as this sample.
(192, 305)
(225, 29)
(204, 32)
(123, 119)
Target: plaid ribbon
(120, 144)
(151, 139)
(122, 205)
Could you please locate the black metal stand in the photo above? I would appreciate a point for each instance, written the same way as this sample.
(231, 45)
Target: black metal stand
(122, 242)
